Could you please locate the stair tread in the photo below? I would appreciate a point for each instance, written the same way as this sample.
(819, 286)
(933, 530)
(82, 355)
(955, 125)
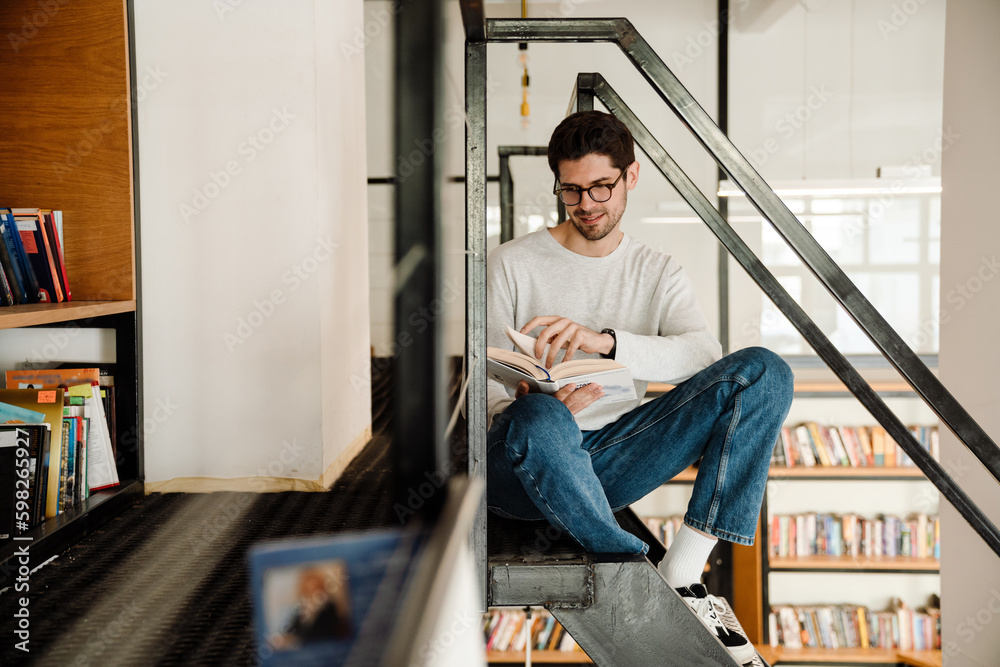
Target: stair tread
(512, 541)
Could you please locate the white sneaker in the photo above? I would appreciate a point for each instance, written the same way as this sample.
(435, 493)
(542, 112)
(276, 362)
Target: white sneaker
(708, 609)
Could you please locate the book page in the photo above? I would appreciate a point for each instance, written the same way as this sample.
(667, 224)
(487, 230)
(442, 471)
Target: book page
(101, 468)
(525, 343)
(616, 384)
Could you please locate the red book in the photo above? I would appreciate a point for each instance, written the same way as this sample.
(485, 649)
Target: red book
(57, 251)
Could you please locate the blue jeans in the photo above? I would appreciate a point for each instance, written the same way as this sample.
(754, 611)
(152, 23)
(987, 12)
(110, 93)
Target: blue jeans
(542, 466)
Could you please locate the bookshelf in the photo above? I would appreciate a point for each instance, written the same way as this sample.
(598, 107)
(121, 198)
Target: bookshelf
(507, 632)
(68, 144)
(849, 656)
(864, 489)
(854, 564)
(37, 314)
(538, 657)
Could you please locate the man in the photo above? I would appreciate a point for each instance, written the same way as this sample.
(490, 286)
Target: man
(589, 289)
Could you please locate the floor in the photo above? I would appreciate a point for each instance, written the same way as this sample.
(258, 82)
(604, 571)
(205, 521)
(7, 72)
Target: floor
(165, 583)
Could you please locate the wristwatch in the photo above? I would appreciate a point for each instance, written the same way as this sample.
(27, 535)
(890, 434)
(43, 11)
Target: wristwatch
(614, 345)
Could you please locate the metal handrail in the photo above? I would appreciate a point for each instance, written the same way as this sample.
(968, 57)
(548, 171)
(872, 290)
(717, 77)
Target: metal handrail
(507, 187)
(595, 84)
(888, 342)
(670, 89)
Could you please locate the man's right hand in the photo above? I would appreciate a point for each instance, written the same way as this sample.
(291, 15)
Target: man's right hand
(575, 399)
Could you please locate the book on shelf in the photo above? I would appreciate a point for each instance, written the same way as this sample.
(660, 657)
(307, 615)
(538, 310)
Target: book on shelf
(53, 231)
(77, 413)
(32, 263)
(82, 384)
(106, 380)
(29, 508)
(7, 297)
(510, 367)
(50, 378)
(79, 458)
(508, 629)
(15, 263)
(851, 535)
(855, 626)
(15, 482)
(815, 445)
(48, 402)
(664, 528)
(31, 226)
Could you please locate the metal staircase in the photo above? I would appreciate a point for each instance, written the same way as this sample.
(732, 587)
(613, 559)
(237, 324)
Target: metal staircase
(620, 610)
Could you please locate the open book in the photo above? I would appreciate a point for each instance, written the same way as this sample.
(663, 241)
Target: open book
(509, 368)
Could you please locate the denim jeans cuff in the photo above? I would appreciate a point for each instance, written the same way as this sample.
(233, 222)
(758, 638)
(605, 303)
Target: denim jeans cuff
(719, 533)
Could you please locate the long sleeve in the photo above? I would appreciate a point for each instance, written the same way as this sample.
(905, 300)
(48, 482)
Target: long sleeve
(499, 313)
(683, 344)
(642, 294)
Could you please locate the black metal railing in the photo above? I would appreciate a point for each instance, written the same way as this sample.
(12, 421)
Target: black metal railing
(594, 84)
(833, 278)
(507, 187)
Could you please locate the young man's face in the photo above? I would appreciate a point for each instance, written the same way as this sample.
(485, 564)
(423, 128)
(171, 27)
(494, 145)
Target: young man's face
(595, 220)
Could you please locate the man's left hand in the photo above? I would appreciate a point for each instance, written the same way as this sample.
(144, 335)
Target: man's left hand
(561, 332)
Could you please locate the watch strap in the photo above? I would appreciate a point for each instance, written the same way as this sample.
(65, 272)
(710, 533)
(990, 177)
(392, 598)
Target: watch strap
(614, 345)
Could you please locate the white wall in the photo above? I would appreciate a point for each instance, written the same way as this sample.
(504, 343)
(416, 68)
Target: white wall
(553, 69)
(839, 87)
(254, 239)
(970, 242)
(880, 85)
(829, 89)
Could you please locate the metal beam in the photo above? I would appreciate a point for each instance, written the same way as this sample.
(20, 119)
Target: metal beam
(617, 606)
(506, 200)
(419, 387)
(722, 93)
(474, 20)
(563, 585)
(507, 186)
(795, 314)
(555, 30)
(677, 97)
(475, 289)
(509, 151)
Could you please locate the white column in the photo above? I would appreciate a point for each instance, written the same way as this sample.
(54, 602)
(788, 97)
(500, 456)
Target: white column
(970, 319)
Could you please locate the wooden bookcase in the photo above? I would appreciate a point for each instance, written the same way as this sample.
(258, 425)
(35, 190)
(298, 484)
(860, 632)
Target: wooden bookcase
(67, 141)
(753, 565)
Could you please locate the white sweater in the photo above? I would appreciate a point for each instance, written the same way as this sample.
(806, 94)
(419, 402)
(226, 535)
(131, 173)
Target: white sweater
(642, 294)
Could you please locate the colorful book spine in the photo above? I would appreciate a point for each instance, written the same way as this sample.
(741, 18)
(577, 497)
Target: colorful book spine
(854, 536)
(851, 626)
(811, 444)
(506, 630)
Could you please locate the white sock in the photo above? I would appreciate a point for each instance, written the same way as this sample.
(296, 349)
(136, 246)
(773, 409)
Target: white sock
(685, 560)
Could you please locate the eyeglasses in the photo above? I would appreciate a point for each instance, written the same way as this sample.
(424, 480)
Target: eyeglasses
(599, 193)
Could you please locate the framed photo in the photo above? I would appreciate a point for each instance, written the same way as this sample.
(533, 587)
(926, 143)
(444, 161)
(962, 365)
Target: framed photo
(314, 599)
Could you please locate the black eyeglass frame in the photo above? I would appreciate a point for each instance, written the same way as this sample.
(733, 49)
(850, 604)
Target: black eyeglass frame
(557, 191)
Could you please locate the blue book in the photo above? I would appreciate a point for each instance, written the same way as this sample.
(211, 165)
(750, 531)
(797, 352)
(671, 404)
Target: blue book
(15, 414)
(69, 482)
(316, 600)
(12, 237)
(8, 259)
(7, 294)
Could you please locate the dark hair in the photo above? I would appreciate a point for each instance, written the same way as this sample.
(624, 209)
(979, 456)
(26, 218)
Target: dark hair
(586, 132)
